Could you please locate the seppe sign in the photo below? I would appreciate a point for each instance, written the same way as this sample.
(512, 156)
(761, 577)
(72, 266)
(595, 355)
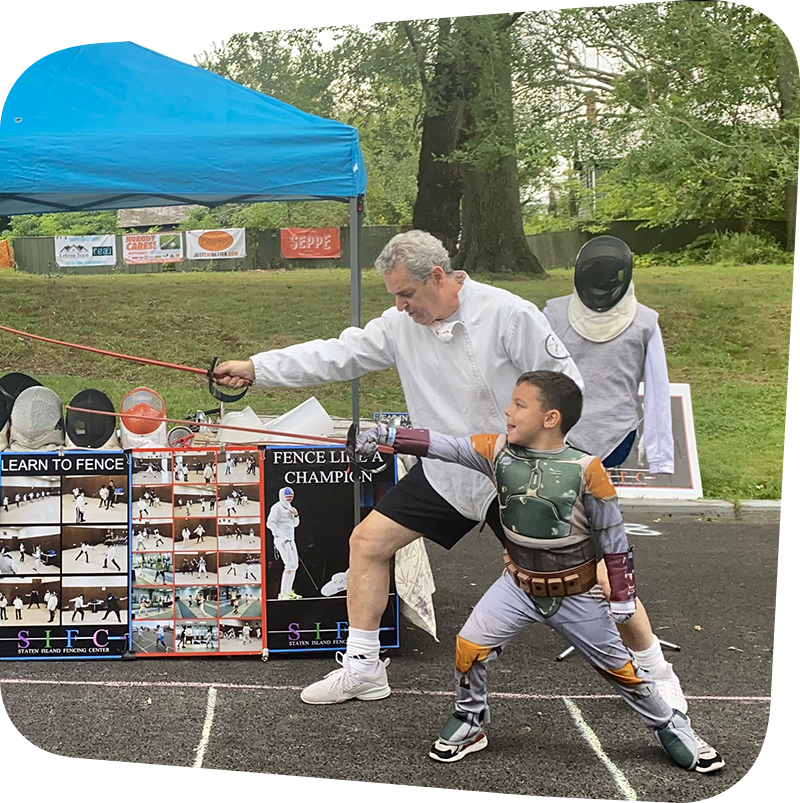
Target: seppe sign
(320, 243)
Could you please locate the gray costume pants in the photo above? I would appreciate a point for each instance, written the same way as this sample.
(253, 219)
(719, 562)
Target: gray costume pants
(583, 620)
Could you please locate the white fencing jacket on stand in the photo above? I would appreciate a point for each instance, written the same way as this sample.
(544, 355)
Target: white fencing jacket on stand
(613, 370)
(458, 387)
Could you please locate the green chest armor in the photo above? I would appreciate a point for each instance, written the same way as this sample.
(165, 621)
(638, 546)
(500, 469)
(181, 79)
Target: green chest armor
(537, 492)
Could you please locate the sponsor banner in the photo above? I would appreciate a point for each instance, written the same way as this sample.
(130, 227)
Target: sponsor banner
(140, 249)
(633, 479)
(216, 244)
(64, 555)
(320, 243)
(96, 249)
(308, 546)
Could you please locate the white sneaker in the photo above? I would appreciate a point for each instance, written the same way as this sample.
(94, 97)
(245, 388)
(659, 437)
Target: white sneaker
(708, 759)
(284, 595)
(669, 687)
(335, 585)
(342, 685)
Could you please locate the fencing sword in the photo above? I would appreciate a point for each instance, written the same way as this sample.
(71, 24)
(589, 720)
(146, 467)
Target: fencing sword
(213, 389)
(348, 443)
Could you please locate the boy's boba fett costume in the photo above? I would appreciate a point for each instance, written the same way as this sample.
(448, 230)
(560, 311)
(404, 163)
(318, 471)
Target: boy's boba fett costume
(559, 514)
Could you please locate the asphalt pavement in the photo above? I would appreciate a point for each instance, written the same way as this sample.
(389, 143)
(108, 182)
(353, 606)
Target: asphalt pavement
(709, 586)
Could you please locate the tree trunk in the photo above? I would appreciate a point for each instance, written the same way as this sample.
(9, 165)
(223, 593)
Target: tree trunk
(492, 237)
(437, 208)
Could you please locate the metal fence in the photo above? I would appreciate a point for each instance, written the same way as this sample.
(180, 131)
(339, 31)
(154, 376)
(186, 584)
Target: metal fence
(552, 249)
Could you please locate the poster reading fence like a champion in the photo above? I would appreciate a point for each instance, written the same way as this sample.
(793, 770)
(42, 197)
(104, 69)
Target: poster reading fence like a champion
(309, 505)
(64, 574)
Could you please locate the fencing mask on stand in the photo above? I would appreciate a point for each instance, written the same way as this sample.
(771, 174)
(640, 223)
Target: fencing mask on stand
(88, 431)
(603, 303)
(5, 415)
(36, 421)
(142, 425)
(603, 272)
(11, 385)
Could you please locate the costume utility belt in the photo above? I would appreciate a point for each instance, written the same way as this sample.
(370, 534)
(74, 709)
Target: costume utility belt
(566, 583)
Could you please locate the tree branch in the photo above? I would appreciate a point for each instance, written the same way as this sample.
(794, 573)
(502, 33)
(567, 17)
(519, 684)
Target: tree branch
(423, 78)
(510, 20)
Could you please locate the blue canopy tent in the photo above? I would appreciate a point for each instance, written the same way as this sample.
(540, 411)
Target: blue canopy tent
(115, 125)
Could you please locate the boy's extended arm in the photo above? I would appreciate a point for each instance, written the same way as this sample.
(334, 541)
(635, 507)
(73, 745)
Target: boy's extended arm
(608, 533)
(472, 451)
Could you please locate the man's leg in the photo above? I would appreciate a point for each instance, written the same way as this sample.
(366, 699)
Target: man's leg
(637, 635)
(372, 547)
(363, 676)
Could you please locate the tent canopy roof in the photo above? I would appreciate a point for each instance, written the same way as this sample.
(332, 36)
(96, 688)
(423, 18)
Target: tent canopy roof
(115, 125)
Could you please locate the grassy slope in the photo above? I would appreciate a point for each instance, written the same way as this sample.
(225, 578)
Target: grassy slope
(726, 331)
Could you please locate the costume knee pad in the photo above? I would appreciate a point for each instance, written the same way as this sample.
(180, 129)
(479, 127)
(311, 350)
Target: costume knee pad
(467, 653)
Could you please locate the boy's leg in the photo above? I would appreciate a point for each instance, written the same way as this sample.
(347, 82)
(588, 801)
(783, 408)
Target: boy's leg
(502, 612)
(637, 635)
(587, 625)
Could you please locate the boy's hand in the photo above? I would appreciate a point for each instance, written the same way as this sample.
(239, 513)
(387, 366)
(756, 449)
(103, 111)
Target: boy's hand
(621, 612)
(367, 442)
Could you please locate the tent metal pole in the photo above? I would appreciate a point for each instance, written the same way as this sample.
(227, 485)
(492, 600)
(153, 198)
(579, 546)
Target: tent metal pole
(356, 215)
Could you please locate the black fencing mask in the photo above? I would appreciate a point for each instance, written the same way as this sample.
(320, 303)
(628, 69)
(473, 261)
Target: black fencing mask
(11, 385)
(88, 430)
(603, 272)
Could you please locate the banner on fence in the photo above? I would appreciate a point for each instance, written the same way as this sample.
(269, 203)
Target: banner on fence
(96, 249)
(140, 249)
(217, 244)
(311, 243)
(64, 581)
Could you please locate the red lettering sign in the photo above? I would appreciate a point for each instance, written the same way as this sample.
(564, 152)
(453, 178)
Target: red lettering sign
(311, 243)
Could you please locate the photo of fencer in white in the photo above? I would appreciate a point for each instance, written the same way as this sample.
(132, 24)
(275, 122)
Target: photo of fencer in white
(282, 521)
(32, 500)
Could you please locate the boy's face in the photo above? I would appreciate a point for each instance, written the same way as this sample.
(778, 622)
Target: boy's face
(525, 419)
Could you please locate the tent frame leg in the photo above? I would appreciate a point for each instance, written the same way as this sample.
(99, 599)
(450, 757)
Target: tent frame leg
(356, 204)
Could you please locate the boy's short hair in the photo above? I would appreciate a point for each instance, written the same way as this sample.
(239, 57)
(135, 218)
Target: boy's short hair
(557, 391)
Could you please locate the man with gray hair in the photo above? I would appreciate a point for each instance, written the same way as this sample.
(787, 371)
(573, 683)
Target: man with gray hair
(459, 347)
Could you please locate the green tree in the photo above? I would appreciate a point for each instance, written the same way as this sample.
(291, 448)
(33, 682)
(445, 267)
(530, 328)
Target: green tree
(697, 111)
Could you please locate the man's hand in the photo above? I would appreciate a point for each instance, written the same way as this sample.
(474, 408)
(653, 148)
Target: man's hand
(621, 612)
(367, 442)
(235, 374)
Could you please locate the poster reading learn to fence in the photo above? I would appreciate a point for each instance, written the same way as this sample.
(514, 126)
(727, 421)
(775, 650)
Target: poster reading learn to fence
(64, 582)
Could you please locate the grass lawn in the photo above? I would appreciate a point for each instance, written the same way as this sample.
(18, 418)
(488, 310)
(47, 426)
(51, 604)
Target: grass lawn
(726, 332)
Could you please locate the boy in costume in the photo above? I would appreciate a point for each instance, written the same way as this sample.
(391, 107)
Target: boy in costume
(559, 513)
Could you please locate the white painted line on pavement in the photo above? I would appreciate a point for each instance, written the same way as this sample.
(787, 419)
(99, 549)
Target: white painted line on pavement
(200, 750)
(188, 684)
(628, 792)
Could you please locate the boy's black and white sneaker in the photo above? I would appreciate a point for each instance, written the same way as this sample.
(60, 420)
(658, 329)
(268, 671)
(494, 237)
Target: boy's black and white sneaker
(708, 759)
(447, 752)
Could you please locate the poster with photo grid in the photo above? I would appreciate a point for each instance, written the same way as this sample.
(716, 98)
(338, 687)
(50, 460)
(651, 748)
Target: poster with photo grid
(64, 540)
(196, 559)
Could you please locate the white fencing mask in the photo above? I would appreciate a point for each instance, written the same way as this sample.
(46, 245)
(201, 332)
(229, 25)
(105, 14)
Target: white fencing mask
(88, 430)
(142, 425)
(36, 421)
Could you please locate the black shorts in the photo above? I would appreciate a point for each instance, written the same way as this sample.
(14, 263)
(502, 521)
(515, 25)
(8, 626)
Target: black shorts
(413, 503)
